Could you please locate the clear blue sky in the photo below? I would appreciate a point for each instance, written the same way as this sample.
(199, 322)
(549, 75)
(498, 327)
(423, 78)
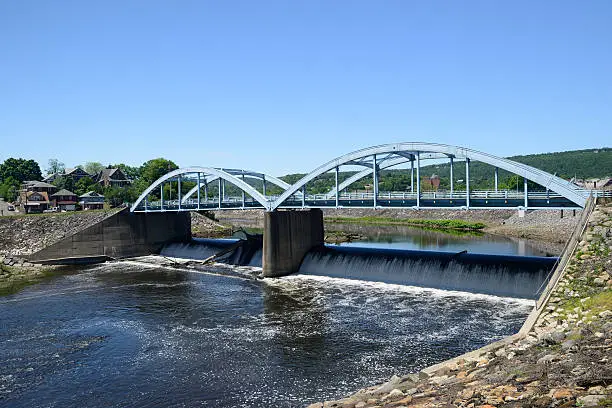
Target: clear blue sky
(283, 86)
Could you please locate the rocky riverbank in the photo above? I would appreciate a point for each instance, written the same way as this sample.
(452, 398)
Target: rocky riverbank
(15, 273)
(203, 226)
(563, 361)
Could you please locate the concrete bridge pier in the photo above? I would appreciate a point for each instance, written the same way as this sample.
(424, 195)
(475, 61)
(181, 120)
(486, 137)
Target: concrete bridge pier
(288, 236)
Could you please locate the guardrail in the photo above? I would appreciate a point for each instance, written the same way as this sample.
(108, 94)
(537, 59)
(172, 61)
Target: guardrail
(237, 201)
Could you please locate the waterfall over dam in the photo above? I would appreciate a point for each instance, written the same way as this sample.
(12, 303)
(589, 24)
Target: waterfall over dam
(499, 275)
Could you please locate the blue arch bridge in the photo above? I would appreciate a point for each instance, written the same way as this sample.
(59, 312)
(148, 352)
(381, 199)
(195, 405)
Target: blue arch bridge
(293, 232)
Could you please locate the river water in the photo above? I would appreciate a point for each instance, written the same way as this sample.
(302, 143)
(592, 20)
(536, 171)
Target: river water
(140, 333)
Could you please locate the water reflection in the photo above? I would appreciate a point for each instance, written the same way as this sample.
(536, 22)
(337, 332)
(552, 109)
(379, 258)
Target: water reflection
(404, 237)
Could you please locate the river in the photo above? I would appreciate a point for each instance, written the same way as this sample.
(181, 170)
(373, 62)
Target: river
(140, 333)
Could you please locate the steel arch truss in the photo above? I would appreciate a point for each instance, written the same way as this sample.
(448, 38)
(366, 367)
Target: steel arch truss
(376, 157)
(200, 173)
(241, 174)
(419, 150)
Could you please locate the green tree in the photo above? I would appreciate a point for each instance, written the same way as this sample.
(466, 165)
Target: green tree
(85, 185)
(64, 182)
(154, 169)
(55, 166)
(116, 196)
(93, 168)
(20, 169)
(9, 189)
(138, 186)
(130, 172)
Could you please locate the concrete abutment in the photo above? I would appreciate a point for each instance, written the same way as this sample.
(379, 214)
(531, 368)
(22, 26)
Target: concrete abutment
(121, 235)
(287, 238)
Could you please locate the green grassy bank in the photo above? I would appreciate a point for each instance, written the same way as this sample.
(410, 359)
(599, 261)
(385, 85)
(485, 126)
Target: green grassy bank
(458, 225)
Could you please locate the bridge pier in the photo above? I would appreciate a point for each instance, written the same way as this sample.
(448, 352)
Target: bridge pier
(287, 237)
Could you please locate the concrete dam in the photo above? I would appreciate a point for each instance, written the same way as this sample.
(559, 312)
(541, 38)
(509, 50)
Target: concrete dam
(499, 275)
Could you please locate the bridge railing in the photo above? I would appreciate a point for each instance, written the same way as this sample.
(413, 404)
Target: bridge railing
(312, 199)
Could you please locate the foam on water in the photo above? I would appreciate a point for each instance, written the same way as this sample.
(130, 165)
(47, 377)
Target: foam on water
(341, 283)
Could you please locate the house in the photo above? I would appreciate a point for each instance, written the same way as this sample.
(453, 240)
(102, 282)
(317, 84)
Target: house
(91, 201)
(112, 178)
(593, 183)
(30, 202)
(65, 200)
(75, 174)
(39, 186)
(34, 201)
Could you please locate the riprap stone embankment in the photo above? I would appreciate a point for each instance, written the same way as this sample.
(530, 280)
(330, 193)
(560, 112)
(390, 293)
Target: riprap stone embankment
(23, 235)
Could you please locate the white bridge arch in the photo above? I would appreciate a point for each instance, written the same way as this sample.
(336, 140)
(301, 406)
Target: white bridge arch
(213, 173)
(373, 159)
(416, 149)
(241, 174)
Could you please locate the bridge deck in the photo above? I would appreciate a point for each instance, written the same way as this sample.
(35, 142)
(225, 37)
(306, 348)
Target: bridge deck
(478, 200)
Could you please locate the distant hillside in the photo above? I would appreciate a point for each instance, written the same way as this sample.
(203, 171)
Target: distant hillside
(590, 163)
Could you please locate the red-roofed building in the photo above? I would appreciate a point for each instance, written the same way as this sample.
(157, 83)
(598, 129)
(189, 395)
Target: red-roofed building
(65, 200)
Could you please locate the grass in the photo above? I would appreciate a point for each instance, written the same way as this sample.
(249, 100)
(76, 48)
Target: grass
(597, 303)
(459, 225)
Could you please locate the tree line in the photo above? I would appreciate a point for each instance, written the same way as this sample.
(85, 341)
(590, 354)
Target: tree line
(14, 172)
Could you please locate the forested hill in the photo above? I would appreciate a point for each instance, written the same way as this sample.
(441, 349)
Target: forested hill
(590, 163)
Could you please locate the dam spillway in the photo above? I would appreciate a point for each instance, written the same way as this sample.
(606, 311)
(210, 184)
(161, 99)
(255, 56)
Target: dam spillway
(499, 275)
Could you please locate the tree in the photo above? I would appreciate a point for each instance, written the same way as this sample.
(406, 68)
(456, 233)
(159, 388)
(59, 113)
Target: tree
(130, 172)
(116, 196)
(20, 169)
(55, 166)
(64, 182)
(9, 188)
(85, 185)
(154, 169)
(93, 168)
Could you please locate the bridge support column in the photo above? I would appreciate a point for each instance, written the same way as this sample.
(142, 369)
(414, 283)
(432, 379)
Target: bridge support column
(243, 196)
(418, 156)
(288, 236)
(412, 175)
(452, 185)
(179, 192)
(496, 178)
(525, 191)
(161, 196)
(467, 183)
(337, 192)
(198, 191)
(375, 180)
